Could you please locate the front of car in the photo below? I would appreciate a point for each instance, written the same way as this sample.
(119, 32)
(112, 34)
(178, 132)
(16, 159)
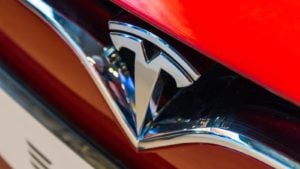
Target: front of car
(135, 84)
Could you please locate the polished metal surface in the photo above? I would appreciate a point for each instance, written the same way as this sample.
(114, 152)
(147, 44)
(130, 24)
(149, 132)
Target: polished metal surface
(54, 124)
(131, 94)
(148, 68)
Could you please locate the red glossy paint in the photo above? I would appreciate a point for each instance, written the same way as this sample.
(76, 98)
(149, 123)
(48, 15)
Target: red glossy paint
(257, 38)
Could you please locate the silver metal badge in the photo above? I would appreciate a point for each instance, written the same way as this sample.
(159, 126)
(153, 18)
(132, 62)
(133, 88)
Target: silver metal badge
(133, 90)
(147, 68)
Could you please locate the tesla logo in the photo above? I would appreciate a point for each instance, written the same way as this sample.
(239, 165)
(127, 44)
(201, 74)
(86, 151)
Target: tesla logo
(148, 65)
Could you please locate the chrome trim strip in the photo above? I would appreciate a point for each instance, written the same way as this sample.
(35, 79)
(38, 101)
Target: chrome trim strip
(55, 125)
(203, 133)
(73, 39)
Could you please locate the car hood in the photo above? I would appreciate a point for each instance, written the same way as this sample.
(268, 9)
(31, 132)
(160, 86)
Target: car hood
(257, 39)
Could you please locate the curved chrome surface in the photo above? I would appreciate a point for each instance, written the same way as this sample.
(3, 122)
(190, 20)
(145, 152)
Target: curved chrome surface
(144, 34)
(117, 86)
(148, 67)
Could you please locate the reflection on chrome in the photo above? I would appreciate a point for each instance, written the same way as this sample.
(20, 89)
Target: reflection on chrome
(148, 68)
(114, 80)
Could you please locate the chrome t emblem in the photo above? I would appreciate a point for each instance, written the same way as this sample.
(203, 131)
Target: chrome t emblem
(115, 82)
(147, 68)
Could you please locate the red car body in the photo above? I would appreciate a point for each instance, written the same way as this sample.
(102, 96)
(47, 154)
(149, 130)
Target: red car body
(257, 39)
